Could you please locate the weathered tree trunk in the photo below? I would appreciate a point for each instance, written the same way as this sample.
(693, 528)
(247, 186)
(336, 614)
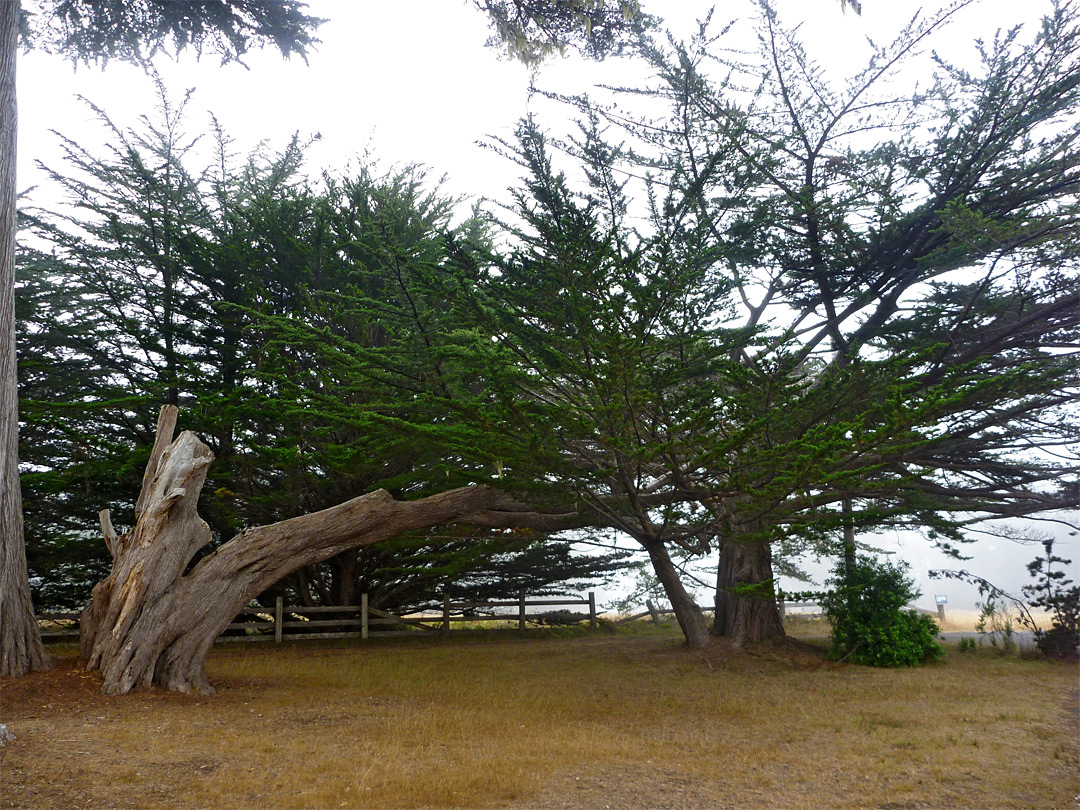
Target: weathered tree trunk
(20, 640)
(849, 534)
(687, 613)
(743, 615)
(150, 622)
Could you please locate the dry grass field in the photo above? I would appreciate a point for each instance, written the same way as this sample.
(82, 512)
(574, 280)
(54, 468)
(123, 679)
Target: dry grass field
(619, 721)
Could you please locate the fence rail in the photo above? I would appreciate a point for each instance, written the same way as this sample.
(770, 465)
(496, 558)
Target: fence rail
(354, 621)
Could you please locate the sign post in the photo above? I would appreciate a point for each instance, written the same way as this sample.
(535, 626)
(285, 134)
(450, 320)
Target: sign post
(941, 600)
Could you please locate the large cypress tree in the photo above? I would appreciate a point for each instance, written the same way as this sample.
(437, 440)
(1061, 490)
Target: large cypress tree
(907, 261)
(95, 31)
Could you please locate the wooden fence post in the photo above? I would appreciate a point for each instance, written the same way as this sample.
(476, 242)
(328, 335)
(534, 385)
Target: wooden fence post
(445, 614)
(521, 610)
(592, 610)
(363, 616)
(941, 613)
(652, 609)
(278, 604)
(783, 611)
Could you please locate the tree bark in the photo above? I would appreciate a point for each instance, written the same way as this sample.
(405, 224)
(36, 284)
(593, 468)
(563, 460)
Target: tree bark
(150, 623)
(742, 615)
(849, 534)
(687, 613)
(20, 640)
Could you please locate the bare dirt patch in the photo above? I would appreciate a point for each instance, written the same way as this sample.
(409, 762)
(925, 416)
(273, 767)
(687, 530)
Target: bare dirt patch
(629, 722)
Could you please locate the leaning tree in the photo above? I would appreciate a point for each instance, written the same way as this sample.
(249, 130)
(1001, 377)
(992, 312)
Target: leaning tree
(156, 616)
(604, 349)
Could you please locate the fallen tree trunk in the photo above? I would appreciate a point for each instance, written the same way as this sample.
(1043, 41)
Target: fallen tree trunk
(152, 621)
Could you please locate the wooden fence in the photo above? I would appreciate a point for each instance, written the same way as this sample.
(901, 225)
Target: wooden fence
(355, 621)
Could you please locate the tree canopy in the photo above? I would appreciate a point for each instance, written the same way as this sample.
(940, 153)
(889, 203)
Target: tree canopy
(100, 31)
(769, 314)
(290, 319)
(782, 313)
(532, 30)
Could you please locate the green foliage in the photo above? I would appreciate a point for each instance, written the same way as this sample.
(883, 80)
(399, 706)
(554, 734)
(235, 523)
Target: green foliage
(1053, 592)
(100, 30)
(783, 333)
(606, 336)
(967, 644)
(902, 299)
(870, 623)
(532, 30)
(306, 329)
(607, 352)
(801, 596)
(559, 618)
(868, 400)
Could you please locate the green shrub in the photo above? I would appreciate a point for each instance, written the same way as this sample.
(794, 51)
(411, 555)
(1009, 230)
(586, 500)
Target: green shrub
(559, 618)
(870, 623)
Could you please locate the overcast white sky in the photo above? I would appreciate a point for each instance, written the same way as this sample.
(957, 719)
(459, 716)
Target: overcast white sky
(412, 81)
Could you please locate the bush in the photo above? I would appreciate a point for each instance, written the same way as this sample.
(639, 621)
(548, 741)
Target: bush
(870, 624)
(559, 618)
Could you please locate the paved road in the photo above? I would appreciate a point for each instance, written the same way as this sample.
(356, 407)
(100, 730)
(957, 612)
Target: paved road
(1023, 638)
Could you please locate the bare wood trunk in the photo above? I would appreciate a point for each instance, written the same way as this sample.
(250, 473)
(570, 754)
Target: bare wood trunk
(20, 640)
(743, 615)
(149, 623)
(687, 613)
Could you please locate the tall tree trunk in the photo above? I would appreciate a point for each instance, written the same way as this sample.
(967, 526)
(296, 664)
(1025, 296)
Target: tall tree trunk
(687, 613)
(743, 615)
(20, 641)
(849, 533)
(150, 622)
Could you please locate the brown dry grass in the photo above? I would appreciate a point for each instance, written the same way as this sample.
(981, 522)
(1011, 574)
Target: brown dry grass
(624, 721)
